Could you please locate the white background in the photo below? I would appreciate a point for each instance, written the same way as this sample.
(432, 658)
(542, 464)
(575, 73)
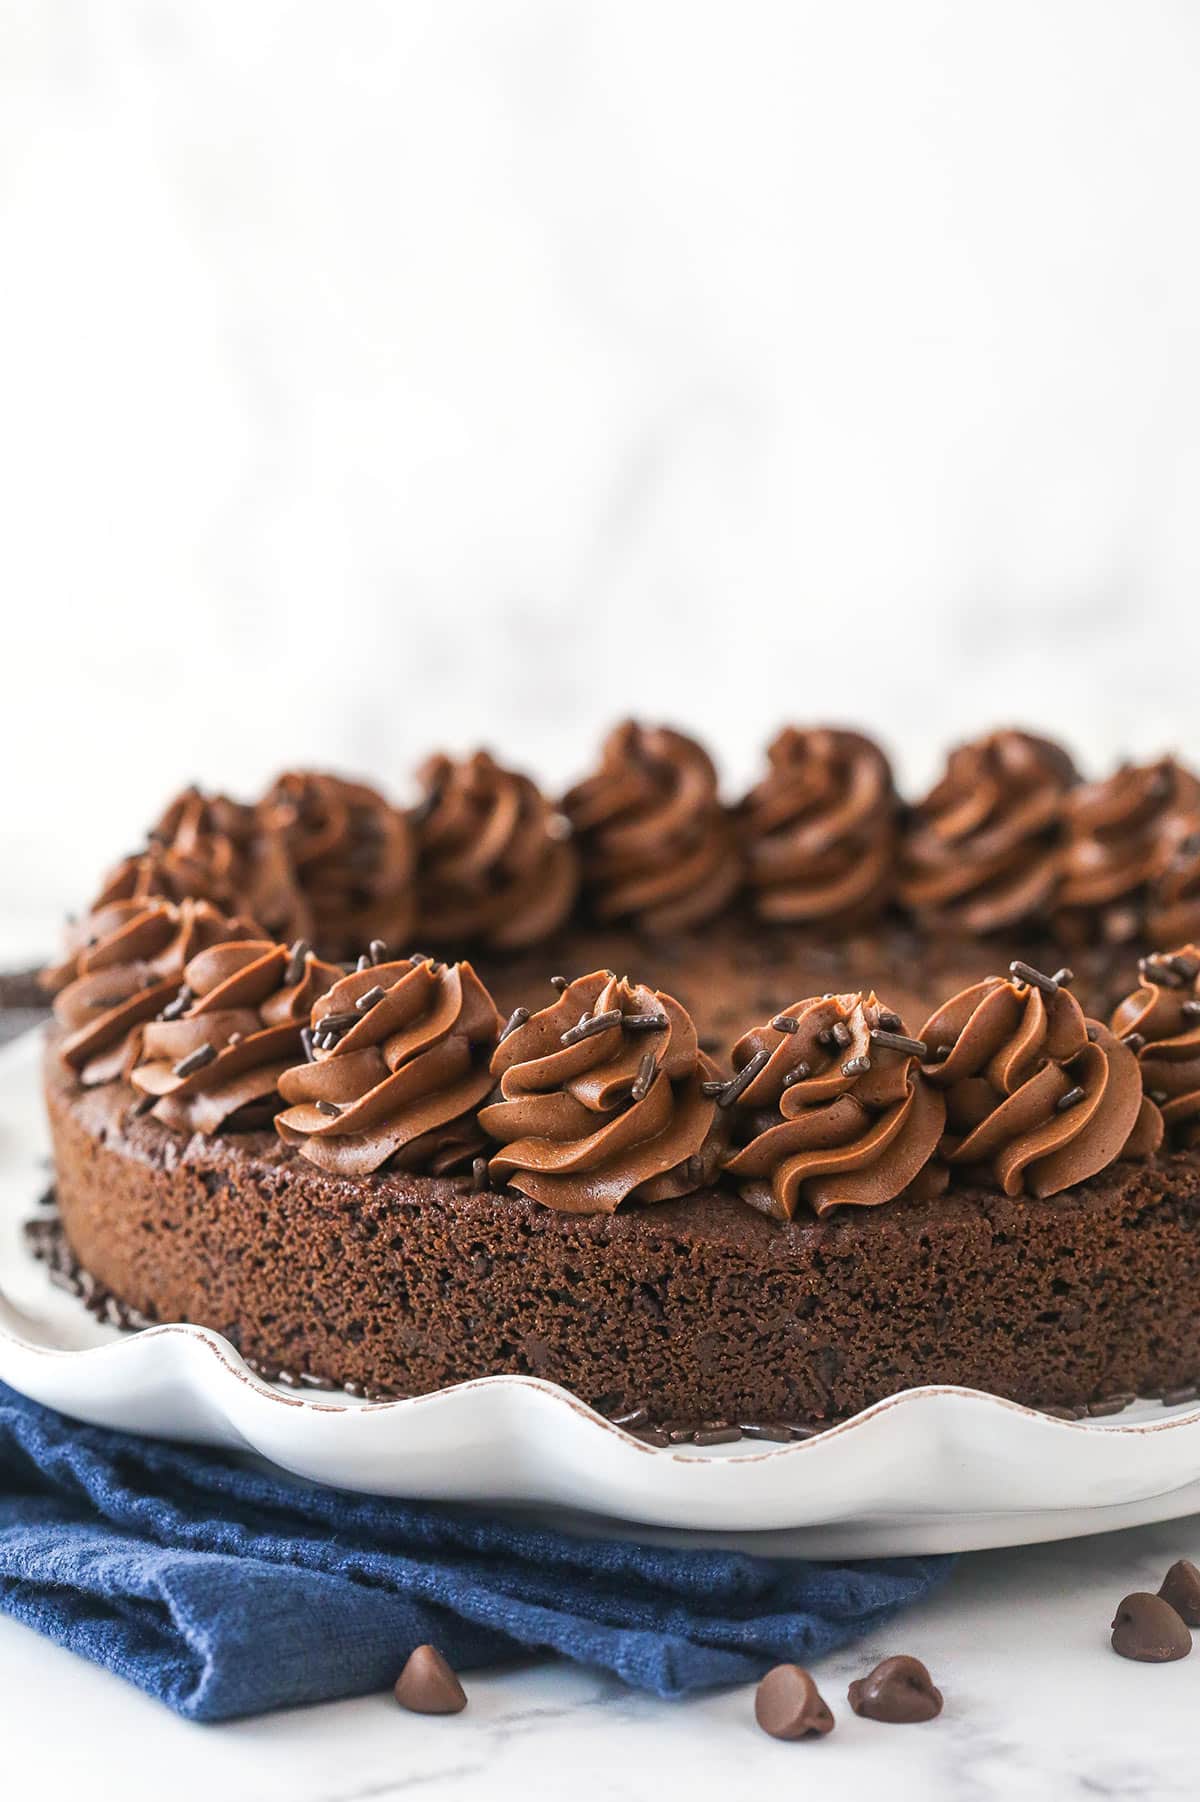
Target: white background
(408, 374)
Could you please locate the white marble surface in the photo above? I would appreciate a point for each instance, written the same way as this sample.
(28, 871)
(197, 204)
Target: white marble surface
(1038, 1709)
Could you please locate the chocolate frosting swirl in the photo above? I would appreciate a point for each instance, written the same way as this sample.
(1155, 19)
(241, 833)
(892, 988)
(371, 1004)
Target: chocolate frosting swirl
(352, 855)
(1038, 1098)
(217, 1064)
(656, 845)
(981, 850)
(602, 1098)
(1122, 838)
(835, 1111)
(1173, 913)
(129, 969)
(398, 1077)
(820, 828)
(495, 864)
(1160, 1021)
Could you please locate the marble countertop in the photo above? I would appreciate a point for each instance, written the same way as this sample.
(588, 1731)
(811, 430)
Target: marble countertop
(1037, 1708)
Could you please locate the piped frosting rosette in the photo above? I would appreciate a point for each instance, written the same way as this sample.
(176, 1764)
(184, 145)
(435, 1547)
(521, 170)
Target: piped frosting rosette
(399, 1065)
(657, 847)
(215, 1059)
(1123, 838)
(981, 851)
(1160, 1023)
(1038, 1098)
(831, 1108)
(129, 969)
(604, 1096)
(820, 828)
(495, 864)
(352, 854)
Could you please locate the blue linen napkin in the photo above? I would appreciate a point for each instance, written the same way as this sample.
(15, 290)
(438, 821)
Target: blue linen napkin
(225, 1591)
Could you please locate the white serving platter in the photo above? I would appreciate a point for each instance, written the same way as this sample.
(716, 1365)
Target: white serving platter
(933, 1469)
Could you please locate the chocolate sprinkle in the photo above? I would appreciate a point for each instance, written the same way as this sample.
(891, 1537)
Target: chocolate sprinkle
(378, 951)
(1191, 1009)
(1134, 1040)
(856, 1066)
(899, 1041)
(296, 961)
(366, 1002)
(195, 1060)
(589, 1025)
(644, 1022)
(647, 1071)
(737, 1085)
(560, 983)
(306, 1044)
(364, 963)
(517, 1018)
(338, 1023)
(1161, 972)
(1036, 979)
(479, 1175)
(797, 1074)
(1072, 1098)
(175, 1009)
(329, 1107)
(785, 1023)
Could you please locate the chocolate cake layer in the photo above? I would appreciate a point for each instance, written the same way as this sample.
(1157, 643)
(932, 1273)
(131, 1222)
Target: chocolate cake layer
(696, 1309)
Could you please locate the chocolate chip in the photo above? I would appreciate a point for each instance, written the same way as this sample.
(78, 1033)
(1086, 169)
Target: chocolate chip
(898, 1690)
(1180, 1589)
(427, 1685)
(788, 1704)
(1148, 1629)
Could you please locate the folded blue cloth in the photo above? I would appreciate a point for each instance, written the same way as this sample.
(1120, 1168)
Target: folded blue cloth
(226, 1591)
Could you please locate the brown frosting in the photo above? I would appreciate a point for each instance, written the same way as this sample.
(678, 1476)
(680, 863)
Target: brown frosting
(1038, 1098)
(1173, 910)
(129, 969)
(494, 862)
(1160, 1022)
(820, 828)
(1123, 835)
(217, 1062)
(980, 852)
(399, 1065)
(352, 855)
(832, 1107)
(596, 1107)
(656, 845)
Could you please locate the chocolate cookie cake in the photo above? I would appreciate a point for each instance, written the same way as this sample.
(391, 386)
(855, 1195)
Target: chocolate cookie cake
(739, 1118)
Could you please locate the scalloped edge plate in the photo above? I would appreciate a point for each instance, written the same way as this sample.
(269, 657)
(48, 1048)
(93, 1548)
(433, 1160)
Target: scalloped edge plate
(933, 1469)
